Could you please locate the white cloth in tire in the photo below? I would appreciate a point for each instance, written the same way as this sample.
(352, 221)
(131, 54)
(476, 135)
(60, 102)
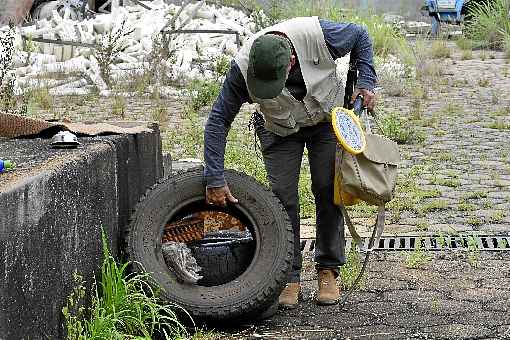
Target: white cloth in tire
(179, 257)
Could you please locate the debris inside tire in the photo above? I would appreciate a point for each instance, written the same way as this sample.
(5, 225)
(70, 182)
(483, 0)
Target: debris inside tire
(185, 230)
(179, 257)
(194, 227)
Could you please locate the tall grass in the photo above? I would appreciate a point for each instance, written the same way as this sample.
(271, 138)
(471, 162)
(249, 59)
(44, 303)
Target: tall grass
(490, 24)
(386, 38)
(123, 307)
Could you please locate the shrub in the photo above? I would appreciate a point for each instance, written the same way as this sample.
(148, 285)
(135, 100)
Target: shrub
(202, 93)
(109, 48)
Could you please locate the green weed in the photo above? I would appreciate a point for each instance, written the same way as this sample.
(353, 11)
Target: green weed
(473, 252)
(464, 44)
(123, 307)
(499, 124)
(434, 205)
(452, 108)
(110, 46)
(484, 82)
(418, 258)
(43, 99)
(507, 47)
(474, 221)
(386, 38)
(398, 129)
(351, 269)
(483, 55)
(423, 194)
(440, 50)
(446, 182)
(119, 106)
(487, 204)
(489, 25)
(435, 305)
(417, 94)
(160, 114)
(204, 334)
(497, 216)
(505, 111)
(466, 207)
(441, 240)
(444, 157)
(502, 244)
(466, 55)
(423, 225)
(202, 93)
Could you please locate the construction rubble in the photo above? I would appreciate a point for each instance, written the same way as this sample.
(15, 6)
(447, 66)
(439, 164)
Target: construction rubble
(67, 62)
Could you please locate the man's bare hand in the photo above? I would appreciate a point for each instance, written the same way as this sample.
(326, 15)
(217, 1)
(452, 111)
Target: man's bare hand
(219, 196)
(368, 98)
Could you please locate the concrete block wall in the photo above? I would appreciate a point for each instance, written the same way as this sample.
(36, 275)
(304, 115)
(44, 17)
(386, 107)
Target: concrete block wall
(52, 210)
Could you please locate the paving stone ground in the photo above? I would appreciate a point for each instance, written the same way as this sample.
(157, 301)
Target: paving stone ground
(455, 180)
(464, 159)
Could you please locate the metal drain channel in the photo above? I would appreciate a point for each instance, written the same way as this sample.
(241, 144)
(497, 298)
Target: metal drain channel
(434, 242)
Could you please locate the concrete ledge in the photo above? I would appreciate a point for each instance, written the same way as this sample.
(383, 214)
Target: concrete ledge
(52, 209)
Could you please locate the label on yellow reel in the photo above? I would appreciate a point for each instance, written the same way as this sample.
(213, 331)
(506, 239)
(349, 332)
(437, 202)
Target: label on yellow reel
(348, 130)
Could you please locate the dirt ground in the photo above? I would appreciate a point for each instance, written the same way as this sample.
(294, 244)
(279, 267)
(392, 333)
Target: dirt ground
(447, 299)
(465, 158)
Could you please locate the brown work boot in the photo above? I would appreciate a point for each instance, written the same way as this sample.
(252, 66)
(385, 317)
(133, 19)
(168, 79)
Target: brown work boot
(289, 297)
(328, 294)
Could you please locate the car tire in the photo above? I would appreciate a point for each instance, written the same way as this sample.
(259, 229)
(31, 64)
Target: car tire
(249, 294)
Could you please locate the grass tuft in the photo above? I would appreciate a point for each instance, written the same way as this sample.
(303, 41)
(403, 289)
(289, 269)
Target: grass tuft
(489, 26)
(464, 44)
(418, 258)
(399, 129)
(440, 50)
(350, 270)
(123, 307)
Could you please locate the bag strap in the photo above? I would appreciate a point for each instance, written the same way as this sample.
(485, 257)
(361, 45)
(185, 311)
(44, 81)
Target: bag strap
(378, 227)
(361, 272)
(372, 244)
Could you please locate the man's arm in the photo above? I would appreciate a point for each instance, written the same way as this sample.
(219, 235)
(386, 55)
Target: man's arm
(232, 96)
(342, 38)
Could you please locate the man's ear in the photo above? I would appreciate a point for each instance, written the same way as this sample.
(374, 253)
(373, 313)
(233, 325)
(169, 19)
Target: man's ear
(292, 60)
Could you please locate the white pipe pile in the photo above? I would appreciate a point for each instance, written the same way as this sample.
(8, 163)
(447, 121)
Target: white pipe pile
(189, 50)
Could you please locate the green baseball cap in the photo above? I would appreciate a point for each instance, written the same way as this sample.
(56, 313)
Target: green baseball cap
(267, 66)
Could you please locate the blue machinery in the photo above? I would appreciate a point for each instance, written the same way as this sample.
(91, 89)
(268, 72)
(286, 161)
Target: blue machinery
(444, 11)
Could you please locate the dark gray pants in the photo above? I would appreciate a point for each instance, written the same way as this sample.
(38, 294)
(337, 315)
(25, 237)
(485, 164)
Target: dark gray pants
(282, 158)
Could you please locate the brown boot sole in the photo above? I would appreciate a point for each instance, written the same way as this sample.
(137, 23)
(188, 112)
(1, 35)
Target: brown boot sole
(286, 306)
(327, 302)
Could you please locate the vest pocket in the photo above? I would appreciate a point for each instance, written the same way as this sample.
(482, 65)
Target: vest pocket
(277, 114)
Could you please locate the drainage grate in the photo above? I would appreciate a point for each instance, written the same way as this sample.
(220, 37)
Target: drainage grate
(434, 242)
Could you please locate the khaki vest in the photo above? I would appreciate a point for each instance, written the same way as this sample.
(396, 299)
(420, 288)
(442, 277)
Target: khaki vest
(284, 114)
